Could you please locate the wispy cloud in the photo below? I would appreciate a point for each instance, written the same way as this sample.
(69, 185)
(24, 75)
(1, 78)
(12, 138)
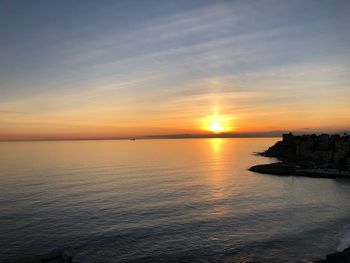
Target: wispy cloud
(239, 57)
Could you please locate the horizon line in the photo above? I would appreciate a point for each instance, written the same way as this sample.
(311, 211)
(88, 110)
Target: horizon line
(271, 134)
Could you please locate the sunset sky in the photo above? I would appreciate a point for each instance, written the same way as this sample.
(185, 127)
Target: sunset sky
(72, 69)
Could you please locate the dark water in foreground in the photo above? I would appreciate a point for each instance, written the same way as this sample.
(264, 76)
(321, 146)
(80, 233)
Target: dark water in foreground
(163, 201)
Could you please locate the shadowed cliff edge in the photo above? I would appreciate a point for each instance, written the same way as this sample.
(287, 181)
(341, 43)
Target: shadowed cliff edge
(322, 156)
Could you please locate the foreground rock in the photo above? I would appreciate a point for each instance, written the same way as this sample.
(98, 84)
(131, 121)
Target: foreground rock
(337, 257)
(287, 169)
(56, 256)
(325, 156)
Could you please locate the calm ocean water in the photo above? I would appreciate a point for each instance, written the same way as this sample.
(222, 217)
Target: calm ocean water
(189, 200)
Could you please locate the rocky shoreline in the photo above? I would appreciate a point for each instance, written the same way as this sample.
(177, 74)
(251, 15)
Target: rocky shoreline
(320, 156)
(58, 256)
(289, 169)
(336, 257)
(55, 256)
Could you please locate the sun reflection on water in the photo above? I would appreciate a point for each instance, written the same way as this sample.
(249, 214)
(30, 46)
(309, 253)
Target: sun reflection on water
(216, 174)
(216, 146)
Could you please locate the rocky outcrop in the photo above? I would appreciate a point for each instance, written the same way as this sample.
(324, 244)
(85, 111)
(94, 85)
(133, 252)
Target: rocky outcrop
(274, 168)
(337, 257)
(290, 169)
(323, 156)
(56, 256)
(332, 151)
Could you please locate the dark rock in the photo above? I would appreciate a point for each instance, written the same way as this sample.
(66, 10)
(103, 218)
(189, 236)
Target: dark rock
(274, 168)
(322, 156)
(290, 169)
(56, 256)
(324, 149)
(337, 257)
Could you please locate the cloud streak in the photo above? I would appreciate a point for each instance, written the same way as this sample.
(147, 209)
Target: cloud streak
(245, 59)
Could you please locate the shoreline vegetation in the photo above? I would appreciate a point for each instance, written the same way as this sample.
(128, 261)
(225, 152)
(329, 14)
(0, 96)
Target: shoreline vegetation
(321, 156)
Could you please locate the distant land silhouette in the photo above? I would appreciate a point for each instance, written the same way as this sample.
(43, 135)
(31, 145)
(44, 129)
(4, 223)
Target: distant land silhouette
(268, 134)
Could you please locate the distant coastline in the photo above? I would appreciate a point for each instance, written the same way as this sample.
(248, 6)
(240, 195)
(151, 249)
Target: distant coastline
(271, 134)
(268, 134)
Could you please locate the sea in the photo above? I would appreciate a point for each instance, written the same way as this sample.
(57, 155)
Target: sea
(164, 200)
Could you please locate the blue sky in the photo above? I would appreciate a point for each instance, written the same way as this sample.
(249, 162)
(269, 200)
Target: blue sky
(148, 66)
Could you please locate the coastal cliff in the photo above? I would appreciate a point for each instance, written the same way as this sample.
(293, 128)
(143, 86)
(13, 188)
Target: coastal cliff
(320, 150)
(309, 155)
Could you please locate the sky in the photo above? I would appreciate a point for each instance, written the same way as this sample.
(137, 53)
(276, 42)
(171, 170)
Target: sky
(84, 69)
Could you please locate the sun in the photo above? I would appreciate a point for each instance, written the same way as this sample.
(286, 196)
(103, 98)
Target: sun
(216, 127)
(218, 123)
